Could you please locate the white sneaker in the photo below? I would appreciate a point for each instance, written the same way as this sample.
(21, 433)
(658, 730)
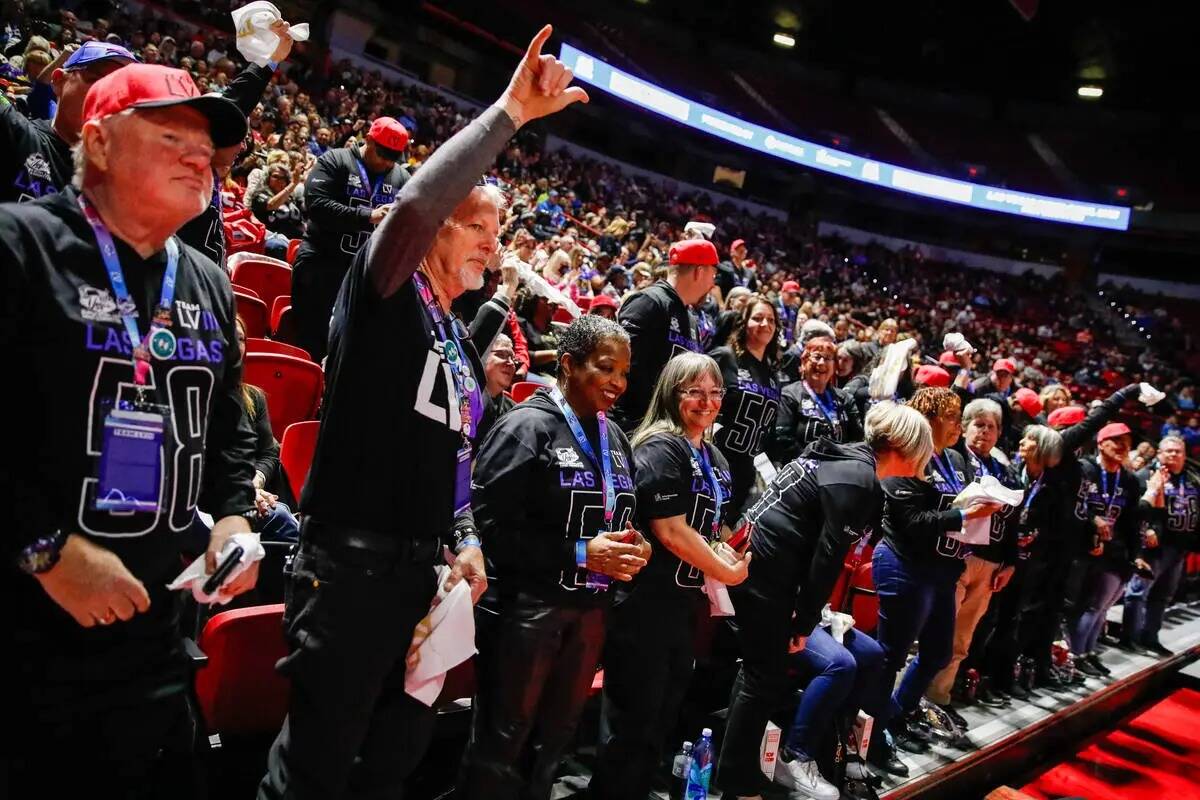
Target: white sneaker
(805, 779)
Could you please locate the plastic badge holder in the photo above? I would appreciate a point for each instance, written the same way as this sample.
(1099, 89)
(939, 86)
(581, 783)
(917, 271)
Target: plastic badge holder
(130, 461)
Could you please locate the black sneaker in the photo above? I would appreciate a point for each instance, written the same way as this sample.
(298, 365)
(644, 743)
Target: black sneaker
(1084, 665)
(1095, 661)
(986, 697)
(884, 758)
(1018, 692)
(1159, 649)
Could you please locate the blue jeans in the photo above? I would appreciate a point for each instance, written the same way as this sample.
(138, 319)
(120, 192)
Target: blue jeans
(841, 675)
(916, 602)
(1146, 599)
(279, 525)
(1103, 588)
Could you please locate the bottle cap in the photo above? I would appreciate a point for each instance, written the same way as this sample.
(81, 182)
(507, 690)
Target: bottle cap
(706, 732)
(686, 745)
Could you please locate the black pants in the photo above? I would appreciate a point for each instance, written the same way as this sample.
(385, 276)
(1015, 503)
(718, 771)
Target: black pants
(1007, 612)
(349, 620)
(535, 669)
(648, 662)
(316, 278)
(763, 630)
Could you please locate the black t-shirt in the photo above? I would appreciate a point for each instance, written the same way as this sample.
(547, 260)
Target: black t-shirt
(1117, 497)
(805, 522)
(803, 420)
(38, 161)
(287, 219)
(536, 493)
(62, 326)
(747, 418)
(659, 327)
(1181, 514)
(917, 514)
(1003, 534)
(671, 482)
(729, 276)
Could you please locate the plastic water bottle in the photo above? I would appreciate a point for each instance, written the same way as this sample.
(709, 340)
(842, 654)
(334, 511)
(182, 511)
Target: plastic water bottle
(679, 768)
(700, 772)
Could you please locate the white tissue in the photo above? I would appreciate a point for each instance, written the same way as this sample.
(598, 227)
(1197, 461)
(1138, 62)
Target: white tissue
(1149, 395)
(194, 576)
(719, 604)
(705, 229)
(442, 640)
(957, 343)
(987, 490)
(255, 41)
(837, 622)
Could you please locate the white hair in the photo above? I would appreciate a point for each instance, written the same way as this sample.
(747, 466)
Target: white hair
(980, 407)
(891, 426)
(1047, 442)
(79, 158)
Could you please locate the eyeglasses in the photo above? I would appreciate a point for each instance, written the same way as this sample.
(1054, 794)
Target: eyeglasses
(505, 356)
(715, 395)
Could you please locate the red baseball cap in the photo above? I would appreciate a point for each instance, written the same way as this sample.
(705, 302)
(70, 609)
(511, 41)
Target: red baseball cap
(1005, 365)
(693, 252)
(790, 286)
(388, 132)
(948, 359)
(1030, 403)
(736, 244)
(158, 86)
(931, 375)
(1067, 415)
(1112, 430)
(602, 301)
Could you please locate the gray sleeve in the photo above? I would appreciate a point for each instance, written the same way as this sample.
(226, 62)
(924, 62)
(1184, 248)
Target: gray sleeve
(404, 237)
(488, 322)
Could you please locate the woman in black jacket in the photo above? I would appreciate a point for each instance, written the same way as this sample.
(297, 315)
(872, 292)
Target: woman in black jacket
(813, 407)
(554, 496)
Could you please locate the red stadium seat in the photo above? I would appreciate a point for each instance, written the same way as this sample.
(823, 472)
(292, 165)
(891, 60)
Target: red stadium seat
(283, 325)
(862, 601)
(253, 313)
(296, 453)
(521, 390)
(272, 346)
(561, 314)
(238, 690)
(293, 245)
(246, 290)
(281, 303)
(269, 277)
(293, 386)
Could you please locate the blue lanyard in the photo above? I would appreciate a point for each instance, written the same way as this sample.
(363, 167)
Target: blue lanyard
(1109, 498)
(466, 390)
(983, 465)
(1033, 490)
(605, 460)
(830, 411)
(947, 471)
(116, 277)
(710, 475)
(366, 180)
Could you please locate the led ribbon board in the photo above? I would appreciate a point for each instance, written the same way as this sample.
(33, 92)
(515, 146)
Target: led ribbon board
(593, 71)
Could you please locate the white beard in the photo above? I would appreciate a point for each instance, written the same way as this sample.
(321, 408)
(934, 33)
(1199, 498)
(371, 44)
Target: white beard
(470, 281)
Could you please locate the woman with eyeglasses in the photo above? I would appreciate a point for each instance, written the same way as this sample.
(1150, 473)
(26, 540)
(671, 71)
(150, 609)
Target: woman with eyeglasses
(554, 496)
(684, 486)
(813, 407)
(747, 419)
(802, 528)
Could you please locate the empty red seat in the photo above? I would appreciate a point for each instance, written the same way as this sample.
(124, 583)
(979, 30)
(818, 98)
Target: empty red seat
(269, 277)
(272, 346)
(293, 245)
(296, 453)
(521, 390)
(293, 386)
(282, 303)
(253, 312)
(238, 690)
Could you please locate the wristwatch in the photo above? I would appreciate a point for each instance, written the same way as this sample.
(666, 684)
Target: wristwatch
(42, 554)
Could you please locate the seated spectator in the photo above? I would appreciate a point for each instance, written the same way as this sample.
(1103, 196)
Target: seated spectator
(603, 305)
(500, 367)
(535, 314)
(277, 206)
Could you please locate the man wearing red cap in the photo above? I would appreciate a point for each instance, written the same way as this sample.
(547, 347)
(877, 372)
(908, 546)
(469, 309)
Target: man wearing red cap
(604, 306)
(789, 310)
(127, 339)
(737, 271)
(660, 325)
(1111, 511)
(998, 381)
(349, 191)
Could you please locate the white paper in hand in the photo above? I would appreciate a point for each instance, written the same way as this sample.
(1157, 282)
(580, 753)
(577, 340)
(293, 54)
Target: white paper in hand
(985, 490)
(719, 604)
(957, 343)
(255, 41)
(1149, 395)
(837, 622)
(194, 576)
(442, 640)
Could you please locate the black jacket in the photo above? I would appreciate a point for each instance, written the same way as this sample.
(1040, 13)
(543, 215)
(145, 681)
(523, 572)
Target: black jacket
(917, 514)
(801, 421)
(339, 206)
(1115, 496)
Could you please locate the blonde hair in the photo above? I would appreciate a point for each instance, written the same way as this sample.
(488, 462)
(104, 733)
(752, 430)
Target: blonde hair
(891, 426)
(662, 416)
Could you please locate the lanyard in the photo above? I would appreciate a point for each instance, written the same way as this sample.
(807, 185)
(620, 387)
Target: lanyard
(982, 465)
(466, 390)
(366, 181)
(710, 475)
(116, 277)
(947, 470)
(830, 411)
(605, 460)
(1109, 498)
(1033, 490)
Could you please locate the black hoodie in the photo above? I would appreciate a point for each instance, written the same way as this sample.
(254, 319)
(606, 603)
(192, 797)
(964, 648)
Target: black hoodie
(535, 494)
(804, 524)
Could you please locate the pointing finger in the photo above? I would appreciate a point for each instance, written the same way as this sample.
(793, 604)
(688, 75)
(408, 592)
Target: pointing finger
(534, 51)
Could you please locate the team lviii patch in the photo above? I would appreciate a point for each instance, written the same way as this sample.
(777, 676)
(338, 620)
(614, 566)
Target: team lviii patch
(162, 344)
(567, 457)
(38, 167)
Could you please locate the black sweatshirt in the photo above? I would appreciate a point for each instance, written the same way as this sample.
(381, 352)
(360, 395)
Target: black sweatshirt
(390, 430)
(1002, 549)
(917, 515)
(536, 494)
(747, 418)
(804, 524)
(1122, 503)
(801, 421)
(38, 163)
(339, 205)
(670, 483)
(659, 328)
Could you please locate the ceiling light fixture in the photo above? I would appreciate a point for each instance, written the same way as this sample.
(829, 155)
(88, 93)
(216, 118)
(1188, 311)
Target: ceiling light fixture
(784, 39)
(1090, 92)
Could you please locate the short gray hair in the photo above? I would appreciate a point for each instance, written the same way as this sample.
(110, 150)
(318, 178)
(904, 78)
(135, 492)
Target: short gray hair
(891, 426)
(815, 329)
(584, 335)
(1046, 441)
(980, 407)
(1173, 439)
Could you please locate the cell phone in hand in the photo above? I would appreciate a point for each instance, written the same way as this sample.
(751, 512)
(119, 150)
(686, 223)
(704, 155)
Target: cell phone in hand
(223, 570)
